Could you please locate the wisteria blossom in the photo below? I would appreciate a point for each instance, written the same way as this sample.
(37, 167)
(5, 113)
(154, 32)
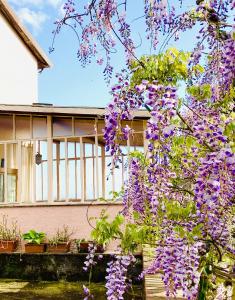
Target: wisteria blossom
(117, 276)
(180, 192)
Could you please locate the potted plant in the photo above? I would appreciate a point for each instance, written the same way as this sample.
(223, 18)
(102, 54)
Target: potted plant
(60, 243)
(9, 235)
(83, 246)
(34, 241)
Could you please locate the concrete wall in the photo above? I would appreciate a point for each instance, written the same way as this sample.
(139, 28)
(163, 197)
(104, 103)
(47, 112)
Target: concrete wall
(18, 68)
(49, 218)
(54, 267)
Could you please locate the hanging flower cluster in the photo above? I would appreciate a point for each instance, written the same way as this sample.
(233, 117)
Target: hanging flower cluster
(90, 262)
(117, 280)
(179, 263)
(214, 192)
(208, 163)
(134, 194)
(181, 191)
(159, 18)
(227, 62)
(120, 109)
(87, 293)
(98, 31)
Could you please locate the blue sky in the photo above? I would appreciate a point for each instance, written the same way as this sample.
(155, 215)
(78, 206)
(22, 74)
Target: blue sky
(67, 83)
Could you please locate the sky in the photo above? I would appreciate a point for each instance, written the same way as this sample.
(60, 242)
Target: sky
(67, 83)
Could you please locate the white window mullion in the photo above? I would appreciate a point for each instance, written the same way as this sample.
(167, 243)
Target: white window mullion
(82, 169)
(66, 171)
(97, 160)
(103, 171)
(5, 174)
(93, 172)
(19, 164)
(49, 160)
(34, 173)
(76, 171)
(58, 171)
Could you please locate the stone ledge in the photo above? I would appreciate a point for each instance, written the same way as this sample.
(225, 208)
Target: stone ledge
(53, 267)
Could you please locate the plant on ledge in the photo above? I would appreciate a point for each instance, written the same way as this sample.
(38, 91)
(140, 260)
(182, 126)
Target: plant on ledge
(9, 235)
(34, 241)
(60, 242)
(83, 245)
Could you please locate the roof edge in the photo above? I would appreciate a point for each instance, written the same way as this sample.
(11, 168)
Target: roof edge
(64, 110)
(26, 37)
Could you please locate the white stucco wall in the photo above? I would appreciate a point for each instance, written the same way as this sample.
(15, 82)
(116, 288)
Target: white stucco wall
(18, 68)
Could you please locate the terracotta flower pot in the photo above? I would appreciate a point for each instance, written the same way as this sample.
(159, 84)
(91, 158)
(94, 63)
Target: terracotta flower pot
(8, 246)
(58, 248)
(83, 247)
(100, 248)
(34, 248)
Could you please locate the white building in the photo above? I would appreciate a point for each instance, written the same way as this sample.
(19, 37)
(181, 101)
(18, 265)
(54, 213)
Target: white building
(20, 60)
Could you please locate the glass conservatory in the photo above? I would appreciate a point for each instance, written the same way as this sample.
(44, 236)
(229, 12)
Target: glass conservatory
(56, 155)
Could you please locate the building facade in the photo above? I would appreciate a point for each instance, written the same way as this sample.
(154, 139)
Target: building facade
(54, 170)
(20, 60)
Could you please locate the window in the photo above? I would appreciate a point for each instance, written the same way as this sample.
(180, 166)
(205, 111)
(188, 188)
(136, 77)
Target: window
(6, 125)
(39, 127)
(62, 126)
(84, 127)
(22, 127)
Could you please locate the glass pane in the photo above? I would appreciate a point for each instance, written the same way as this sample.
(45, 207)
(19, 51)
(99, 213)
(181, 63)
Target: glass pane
(62, 150)
(118, 178)
(11, 185)
(89, 179)
(84, 127)
(89, 150)
(99, 151)
(71, 149)
(125, 166)
(137, 139)
(124, 150)
(137, 126)
(22, 127)
(45, 181)
(72, 179)
(78, 180)
(39, 127)
(100, 126)
(101, 176)
(62, 180)
(39, 181)
(55, 182)
(139, 148)
(42, 182)
(41, 147)
(6, 125)
(62, 126)
(12, 156)
(1, 187)
(108, 178)
(77, 149)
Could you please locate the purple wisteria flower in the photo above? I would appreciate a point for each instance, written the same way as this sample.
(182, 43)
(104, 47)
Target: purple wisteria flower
(90, 262)
(117, 282)
(87, 293)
